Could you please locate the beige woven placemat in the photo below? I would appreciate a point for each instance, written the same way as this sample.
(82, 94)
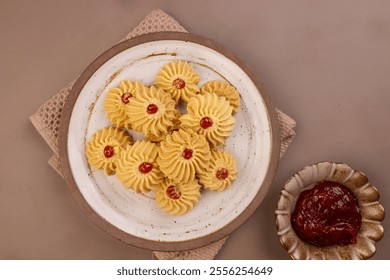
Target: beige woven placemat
(47, 121)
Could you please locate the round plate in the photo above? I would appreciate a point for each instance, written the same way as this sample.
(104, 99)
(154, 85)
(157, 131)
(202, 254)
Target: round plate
(136, 218)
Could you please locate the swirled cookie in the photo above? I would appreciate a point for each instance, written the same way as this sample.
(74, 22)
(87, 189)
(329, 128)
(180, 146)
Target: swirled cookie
(104, 149)
(177, 198)
(137, 168)
(209, 115)
(152, 111)
(174, 127)
(182, 155)
(179, 80)
(220, 173)
(118, 99)
(222, 88)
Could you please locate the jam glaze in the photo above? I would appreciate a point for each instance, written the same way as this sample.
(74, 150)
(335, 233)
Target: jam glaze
(152, 109)
(206, 122)
(145, 167)
(187, 153)
(108, 151)
(179, 83)
(222, 174)
(125, 97)
(173, 192)
(326, 215)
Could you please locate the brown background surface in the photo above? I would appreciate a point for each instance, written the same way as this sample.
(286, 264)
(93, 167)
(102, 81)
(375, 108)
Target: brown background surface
(326, 64)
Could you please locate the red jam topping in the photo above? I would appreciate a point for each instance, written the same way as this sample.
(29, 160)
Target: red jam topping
(108, 151)
(173, 192)
(145, 167)
(125, 97)
(206, 122)
(187, 153)
(327, 215)
(179, 83)
(152, 109)
(222, 174)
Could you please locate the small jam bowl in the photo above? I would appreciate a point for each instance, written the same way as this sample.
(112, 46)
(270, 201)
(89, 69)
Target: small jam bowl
(367, 196)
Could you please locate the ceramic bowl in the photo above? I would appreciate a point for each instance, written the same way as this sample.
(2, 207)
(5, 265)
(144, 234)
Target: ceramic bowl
(367, 196)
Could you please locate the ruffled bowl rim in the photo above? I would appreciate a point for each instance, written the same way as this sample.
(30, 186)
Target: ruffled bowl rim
(370, 232)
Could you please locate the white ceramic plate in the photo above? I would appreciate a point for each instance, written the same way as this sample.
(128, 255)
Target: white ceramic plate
(136, 218)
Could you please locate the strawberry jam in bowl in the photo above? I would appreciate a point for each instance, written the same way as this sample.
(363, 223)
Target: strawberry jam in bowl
(327, 214)
(329, 211)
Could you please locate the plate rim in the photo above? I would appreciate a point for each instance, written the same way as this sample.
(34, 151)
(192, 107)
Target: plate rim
(105, 225)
